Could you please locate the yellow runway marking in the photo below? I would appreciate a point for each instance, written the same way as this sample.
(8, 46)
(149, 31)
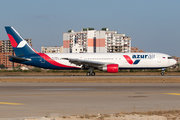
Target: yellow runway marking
(173, 93)
(7, 103)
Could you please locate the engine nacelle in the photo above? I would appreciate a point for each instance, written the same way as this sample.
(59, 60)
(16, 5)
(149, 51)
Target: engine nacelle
(110, 68)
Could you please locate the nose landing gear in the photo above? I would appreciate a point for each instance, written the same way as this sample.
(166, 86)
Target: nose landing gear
(162, 72)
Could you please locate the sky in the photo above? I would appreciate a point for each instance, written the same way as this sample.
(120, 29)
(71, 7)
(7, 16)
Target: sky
(153, 25)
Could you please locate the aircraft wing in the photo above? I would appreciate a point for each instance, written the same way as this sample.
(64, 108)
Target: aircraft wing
(87, 63)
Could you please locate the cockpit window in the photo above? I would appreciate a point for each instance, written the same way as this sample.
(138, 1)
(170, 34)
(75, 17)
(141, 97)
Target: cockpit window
(170, 58)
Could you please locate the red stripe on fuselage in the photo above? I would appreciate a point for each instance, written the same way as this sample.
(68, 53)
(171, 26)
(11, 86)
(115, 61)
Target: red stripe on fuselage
(34, 50)
(128, 59)
(53, 62)
(12, 40)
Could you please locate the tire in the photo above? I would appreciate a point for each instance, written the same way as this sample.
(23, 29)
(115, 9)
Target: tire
(93, 74)
(162, 74)
(88, 74)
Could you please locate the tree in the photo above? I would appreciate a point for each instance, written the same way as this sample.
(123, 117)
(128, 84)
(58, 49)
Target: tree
(2, 66)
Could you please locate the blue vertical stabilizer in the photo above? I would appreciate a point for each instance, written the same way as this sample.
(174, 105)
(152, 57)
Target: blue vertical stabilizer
(20, 46)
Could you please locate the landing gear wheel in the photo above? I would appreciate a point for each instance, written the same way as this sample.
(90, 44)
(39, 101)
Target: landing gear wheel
(93, 74)
(162, 74)
(88, 74)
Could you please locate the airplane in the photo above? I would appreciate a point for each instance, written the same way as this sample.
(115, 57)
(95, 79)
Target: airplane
(110, 62)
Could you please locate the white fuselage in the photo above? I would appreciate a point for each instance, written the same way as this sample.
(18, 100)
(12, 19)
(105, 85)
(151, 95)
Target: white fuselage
(135, 60)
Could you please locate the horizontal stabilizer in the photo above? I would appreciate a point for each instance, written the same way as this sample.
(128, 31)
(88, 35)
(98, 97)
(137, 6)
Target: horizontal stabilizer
(14, 58)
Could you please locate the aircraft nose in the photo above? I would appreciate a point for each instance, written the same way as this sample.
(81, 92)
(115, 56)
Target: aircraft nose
(174, 62)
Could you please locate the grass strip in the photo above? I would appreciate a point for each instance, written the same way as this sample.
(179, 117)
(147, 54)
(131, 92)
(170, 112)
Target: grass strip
(95, 80)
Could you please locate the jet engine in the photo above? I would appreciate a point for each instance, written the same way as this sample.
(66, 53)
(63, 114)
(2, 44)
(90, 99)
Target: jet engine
(110, 68)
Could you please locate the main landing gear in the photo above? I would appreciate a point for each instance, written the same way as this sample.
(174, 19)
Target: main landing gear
(162, 72)
(90, 73)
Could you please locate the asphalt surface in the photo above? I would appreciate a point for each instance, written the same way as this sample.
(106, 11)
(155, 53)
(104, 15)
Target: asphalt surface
(19, 100)
(91, 76)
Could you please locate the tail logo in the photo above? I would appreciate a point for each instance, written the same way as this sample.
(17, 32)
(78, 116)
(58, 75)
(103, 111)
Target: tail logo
(130, 61)
(15, 44)
(22, 44)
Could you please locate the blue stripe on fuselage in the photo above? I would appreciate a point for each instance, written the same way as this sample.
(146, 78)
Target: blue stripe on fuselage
(38, 61)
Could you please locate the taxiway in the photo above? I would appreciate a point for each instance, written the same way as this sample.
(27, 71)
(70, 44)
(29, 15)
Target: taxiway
(42, 99)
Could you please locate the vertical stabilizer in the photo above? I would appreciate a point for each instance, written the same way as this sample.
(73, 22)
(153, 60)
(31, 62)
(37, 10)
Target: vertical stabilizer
(20, 46)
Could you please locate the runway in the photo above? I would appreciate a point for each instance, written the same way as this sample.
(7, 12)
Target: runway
(53, 99)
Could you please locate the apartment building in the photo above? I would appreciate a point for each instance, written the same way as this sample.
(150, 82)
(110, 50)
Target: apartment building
(5, 50)
(89, 40)
(136, 50)
(55, 49)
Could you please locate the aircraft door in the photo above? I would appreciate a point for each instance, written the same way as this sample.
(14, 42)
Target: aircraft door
(159, 59)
